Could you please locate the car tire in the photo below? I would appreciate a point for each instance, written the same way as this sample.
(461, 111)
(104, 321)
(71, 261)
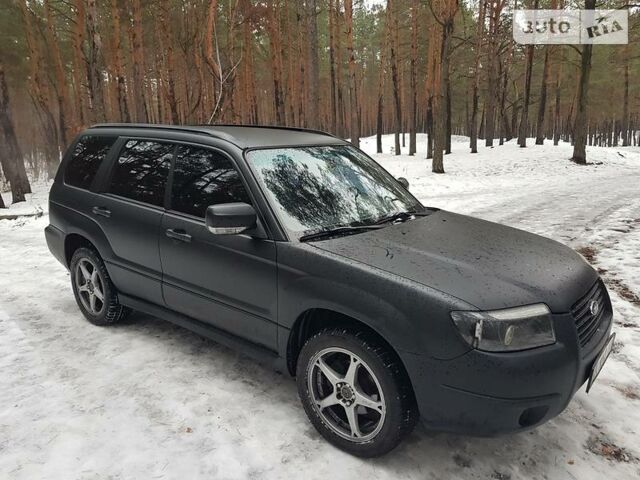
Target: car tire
(95, 293)
(334, 397)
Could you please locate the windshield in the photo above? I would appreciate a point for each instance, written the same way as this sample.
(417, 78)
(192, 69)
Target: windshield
(325, 187)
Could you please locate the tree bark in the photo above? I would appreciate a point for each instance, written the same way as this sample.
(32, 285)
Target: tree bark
(11, 157)
(524, 120)
(354, 123)
(94, 63)
(495, 12)
(381, 87)
(447, 12)
(392, 21)
(116, 46)
(332, 68)
(140, 93)
(557, 121)
(66, 123)
(276, 61)
(413, 81)
(473, 126)
(580, 124)
(542, 102)
(313, 120)
(167, 35)
(39, 91)
(79, 62)
(625, 103)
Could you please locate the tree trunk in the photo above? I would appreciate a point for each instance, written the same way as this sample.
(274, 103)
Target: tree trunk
(625, 103)
(354, 123)
(332, 69)
(542, 103)
(392, 22)
(381, 86)
(166, 33)
(413, 81)
(11, 157)
(524, 119)
(473, 126)
(313, 119)
(66, 123)
(276, 61)
(79, 62)
(447, 148)
(429, 128)
(94, 63)
(121, 92)
(448, 9)
(39, 92)
(557, 119)
(580, 125)
(139, 90)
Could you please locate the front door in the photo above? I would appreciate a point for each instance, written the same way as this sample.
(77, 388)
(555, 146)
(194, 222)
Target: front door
(228, 281)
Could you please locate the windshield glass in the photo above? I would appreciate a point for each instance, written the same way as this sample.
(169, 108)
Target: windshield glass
(325, 187)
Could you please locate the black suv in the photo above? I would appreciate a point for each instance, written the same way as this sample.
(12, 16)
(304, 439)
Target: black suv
(299, 249)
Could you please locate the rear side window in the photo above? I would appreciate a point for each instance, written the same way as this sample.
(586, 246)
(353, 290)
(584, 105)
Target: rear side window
(141, 171)
(87, 156)
(203, 177)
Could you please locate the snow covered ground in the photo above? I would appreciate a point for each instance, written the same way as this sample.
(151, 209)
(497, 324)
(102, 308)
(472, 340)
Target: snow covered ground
(147, 399)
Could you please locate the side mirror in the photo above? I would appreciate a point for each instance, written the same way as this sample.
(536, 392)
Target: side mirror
(230, 218)
(404, 182)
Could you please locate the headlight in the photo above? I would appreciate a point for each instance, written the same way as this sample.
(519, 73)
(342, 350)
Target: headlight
(507, 330)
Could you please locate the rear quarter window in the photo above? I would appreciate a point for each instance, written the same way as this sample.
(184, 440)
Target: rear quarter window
(88, 154)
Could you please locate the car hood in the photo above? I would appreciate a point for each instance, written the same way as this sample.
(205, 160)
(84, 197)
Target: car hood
(486, 264)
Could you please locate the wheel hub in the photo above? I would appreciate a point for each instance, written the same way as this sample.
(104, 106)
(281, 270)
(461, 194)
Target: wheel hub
(345, 392)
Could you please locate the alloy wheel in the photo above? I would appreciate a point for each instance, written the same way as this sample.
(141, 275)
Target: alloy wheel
(346, 394)
(90, 286)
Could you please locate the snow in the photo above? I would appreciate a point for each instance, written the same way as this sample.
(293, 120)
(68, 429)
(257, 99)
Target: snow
(147, 399)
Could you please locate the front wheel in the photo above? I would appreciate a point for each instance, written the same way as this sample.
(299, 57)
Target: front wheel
(355, 392)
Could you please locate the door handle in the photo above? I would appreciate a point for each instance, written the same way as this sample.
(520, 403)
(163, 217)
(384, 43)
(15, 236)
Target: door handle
(102, 211)
(178, 234)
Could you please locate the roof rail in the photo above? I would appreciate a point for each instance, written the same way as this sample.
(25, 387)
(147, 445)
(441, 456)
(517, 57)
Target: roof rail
(275, 127)
(177, 128)
(158, 126)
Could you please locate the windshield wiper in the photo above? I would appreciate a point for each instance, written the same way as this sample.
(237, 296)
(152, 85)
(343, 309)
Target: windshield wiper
(333, 232)
(404, 216)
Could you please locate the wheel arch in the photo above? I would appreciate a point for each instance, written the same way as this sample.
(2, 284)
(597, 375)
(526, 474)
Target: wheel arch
(313, 320)
(73, 242)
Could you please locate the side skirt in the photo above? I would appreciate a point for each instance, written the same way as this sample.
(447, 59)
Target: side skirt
(257, 352)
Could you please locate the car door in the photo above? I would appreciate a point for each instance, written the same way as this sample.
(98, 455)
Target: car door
(129, 211)
(228, 281)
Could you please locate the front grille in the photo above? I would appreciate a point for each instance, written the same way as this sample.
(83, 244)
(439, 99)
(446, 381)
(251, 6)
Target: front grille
(586, 323)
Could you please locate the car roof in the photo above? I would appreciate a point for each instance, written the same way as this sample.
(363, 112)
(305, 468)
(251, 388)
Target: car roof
(243, 136)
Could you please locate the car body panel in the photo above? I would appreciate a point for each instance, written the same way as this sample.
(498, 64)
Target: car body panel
(491, 266)
(401, 281)
(228, 281)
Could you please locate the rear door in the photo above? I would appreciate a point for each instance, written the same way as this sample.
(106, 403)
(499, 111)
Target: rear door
(129, 211)
(228, 281)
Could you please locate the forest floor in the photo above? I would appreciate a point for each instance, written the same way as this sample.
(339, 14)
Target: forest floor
(147, 399)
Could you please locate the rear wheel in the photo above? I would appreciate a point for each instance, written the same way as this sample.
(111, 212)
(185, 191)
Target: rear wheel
(355, 392)
(95, 294)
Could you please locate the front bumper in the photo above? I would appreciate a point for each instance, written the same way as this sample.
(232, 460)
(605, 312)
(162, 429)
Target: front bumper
(483, 393)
